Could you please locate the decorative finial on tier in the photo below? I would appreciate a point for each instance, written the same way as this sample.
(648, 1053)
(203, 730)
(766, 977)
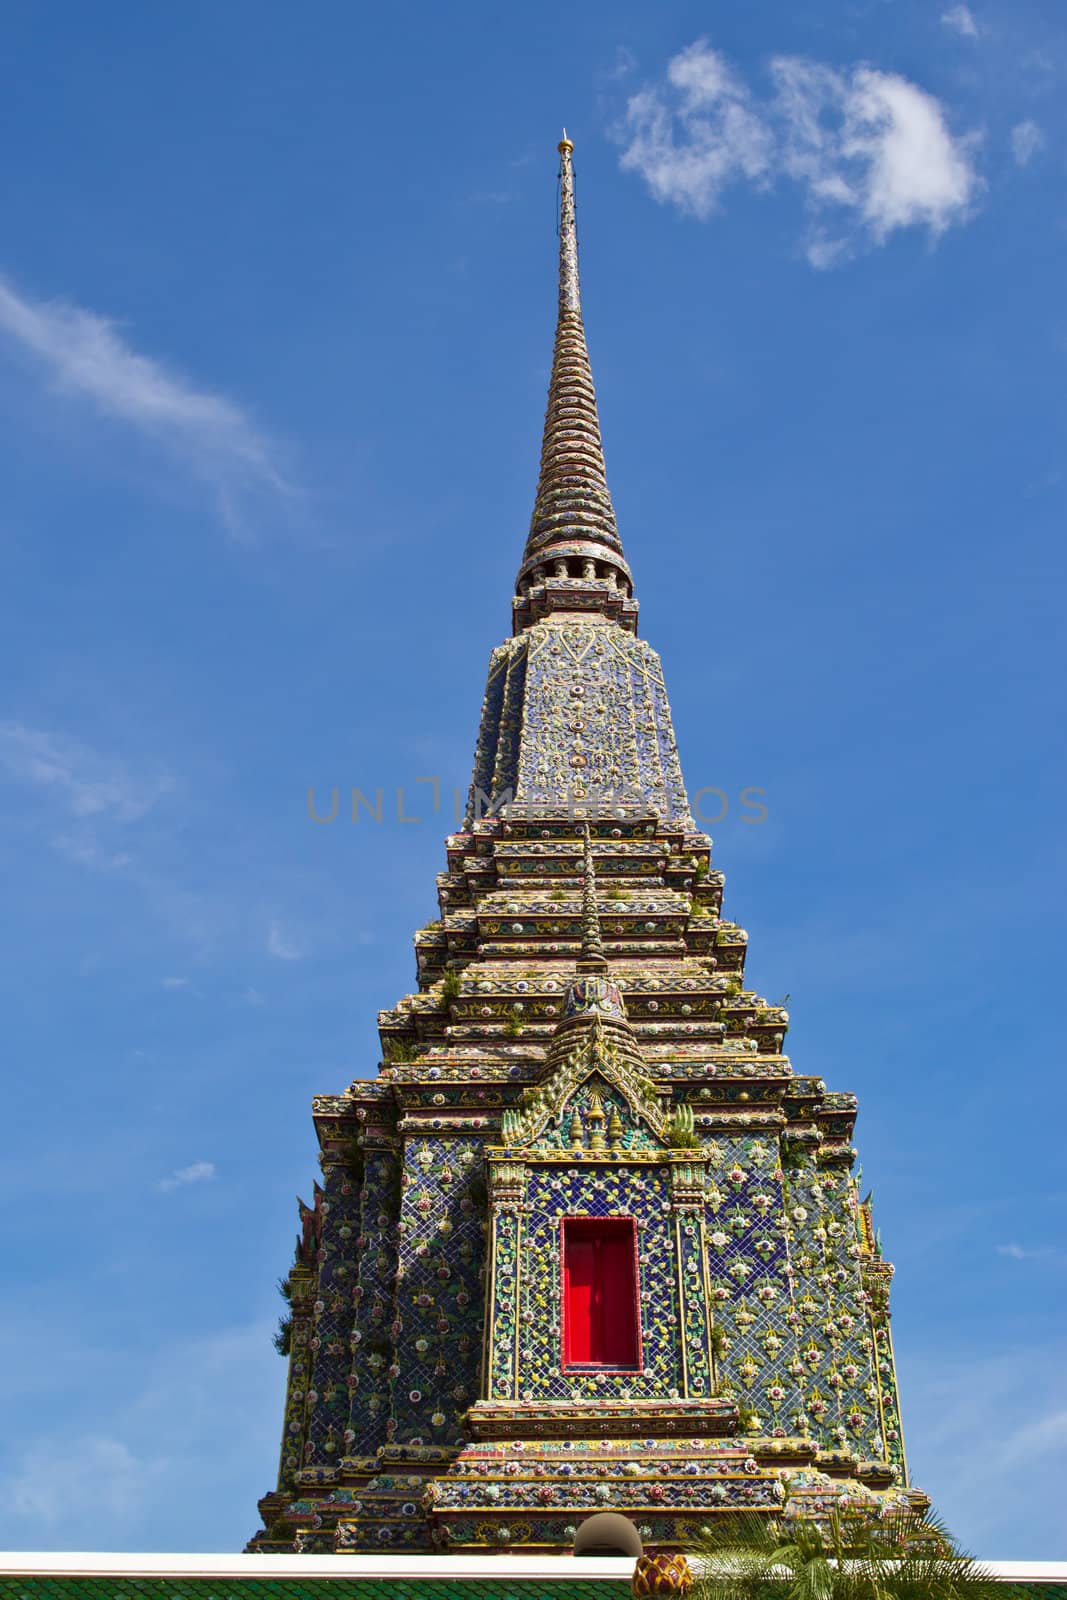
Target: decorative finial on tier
(592, 958)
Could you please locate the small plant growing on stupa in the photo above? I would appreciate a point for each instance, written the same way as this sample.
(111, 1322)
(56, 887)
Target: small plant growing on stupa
(793, 1157)
(513, 1026)
(397, 1051)
(451, 985)
(681, 1130)
(478, 1190)
(284, 1337)
(354, 1159)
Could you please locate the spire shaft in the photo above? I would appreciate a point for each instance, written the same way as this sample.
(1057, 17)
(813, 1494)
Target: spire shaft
(570, 297)
(573, 558)
(592, 958)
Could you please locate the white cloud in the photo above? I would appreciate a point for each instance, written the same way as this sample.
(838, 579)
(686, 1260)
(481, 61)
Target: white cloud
(175, 983)
(870, 147)
(1026, 140)
(874, 144)
(88, 783)
(85, 355)
(282, 944)
(961, 20)
(823, 251)
(197, 1172)
(719, 138)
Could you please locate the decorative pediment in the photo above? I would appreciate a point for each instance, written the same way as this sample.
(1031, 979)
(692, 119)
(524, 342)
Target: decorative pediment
(594, 1099)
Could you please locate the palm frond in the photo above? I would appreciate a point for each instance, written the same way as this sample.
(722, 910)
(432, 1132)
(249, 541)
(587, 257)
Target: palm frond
(904, 1555)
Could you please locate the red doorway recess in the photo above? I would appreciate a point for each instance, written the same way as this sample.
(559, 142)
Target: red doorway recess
(601, 1322)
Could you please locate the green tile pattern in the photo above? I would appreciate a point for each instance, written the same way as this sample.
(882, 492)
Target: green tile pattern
(62, 1587)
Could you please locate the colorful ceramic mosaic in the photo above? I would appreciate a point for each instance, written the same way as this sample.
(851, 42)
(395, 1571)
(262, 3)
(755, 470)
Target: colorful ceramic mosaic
(588, 1242)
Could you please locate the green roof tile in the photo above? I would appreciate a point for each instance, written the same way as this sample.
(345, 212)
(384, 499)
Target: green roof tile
(318, 1588)
(75, 1587)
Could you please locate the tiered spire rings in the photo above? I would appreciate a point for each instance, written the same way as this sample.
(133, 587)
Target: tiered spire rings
(573, 533)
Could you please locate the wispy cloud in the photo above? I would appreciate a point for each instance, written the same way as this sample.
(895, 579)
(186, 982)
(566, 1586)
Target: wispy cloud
(175, 983)
(85, 356)
(1026, 140)
(969, 1454)
(119, 816)
(282, 944)
(1018, 1252)
(139, 1423)
(88, 783)
(871, 151)
(196, 1172)
(100, 1470)
(961, 20)
(1044, 1436)
(87, 851)
(722, 137)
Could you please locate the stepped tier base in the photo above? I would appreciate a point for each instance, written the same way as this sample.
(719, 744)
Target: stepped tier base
(534, 1493)
(609, 1419)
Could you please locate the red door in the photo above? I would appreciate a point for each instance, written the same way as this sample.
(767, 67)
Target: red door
(600, 1320)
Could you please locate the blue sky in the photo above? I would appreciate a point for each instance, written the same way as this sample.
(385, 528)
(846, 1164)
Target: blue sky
(276, 305)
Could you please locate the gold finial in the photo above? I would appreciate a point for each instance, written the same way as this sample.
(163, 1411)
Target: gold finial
(595, 1120)
(565, 143)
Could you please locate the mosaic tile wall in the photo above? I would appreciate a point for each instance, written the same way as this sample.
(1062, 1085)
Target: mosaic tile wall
(603, 690)
(440, 1291)
(597, 1192)
(333, 1311)
(375, 1251)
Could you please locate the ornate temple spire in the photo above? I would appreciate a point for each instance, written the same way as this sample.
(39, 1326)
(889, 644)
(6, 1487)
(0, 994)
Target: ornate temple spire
(592, 958)
(575, 706)
(573, 539)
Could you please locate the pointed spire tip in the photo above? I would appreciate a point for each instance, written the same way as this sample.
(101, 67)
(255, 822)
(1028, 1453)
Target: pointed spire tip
(573, 532)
